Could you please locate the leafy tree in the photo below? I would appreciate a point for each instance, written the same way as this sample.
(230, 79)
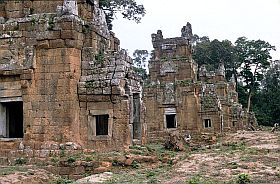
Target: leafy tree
(255, 58)
(248, 61)
(266, 102)
(212, 53)
(140, 62)
(128, 8)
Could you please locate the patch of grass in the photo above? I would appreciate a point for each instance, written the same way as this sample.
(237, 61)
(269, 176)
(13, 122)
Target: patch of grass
(153, 180)
(200, 180)
(140, 150)
(62, 153)
(139, 175)
(233, 165)
(89, 158)
(20, 161)
(194, 180)
(151, 173)
(236, 146)
(124, 177)
(110, 181)
(252, 151)
(60, 180)
(135, 165)
(161, 152)
(51, 24)
(33, 21)
(71, 160)
(243, 178)
(11, 170)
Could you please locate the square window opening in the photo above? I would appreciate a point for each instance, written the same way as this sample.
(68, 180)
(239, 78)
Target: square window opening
(171, 121)
(234, 123)
(102, 124)
(11, 119)
(207, 123)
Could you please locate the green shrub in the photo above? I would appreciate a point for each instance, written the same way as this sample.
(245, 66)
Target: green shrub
(71, 160)
(135, 164)
(20, 161)
(195, 180)
(243, 178)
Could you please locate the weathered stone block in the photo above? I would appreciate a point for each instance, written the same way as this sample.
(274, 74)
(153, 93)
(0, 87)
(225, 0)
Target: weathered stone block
(58, 43)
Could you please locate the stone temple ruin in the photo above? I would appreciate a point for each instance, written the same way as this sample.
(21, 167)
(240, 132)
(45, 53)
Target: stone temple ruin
(64, 81)
(179, 97)
(66, 84)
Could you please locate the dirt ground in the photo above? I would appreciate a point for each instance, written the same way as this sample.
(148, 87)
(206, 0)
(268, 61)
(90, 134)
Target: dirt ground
(253, 154)
(25, 174)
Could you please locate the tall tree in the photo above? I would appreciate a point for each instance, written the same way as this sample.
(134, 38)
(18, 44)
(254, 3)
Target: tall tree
(140, 62)
(255, 58)
(128, 8)
(266, 103)
(212, 53)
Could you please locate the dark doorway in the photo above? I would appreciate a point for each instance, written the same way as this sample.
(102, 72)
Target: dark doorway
(102, 122)
(171, 121)
(136, 116)
(12, 119)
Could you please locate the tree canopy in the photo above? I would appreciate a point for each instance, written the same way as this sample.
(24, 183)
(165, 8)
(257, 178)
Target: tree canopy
(255, 58)
(140, 62)
(248, 61)
(129, 9)
(266, 101)
(212, 53)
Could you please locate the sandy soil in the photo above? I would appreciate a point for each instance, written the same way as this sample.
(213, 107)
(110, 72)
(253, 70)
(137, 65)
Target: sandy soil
(253, 153)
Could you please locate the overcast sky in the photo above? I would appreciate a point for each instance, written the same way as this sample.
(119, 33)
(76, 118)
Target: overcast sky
(220, 19)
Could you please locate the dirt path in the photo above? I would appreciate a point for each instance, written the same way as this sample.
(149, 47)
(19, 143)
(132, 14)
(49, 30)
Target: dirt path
(254, 153)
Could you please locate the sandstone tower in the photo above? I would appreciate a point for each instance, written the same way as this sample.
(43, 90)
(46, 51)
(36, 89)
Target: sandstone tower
(179, 97)
(64, 80)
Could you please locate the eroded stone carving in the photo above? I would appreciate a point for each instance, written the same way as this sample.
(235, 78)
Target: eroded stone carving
(202, 71)
(187, 31)
(29, 57)
(169, 95)
(8, 58)
(168, 67)
(221, 70)
(70, 7)
(100, 20)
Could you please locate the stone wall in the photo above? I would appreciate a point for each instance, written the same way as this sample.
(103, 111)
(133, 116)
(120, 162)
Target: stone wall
(63, 68)
(109, 86)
